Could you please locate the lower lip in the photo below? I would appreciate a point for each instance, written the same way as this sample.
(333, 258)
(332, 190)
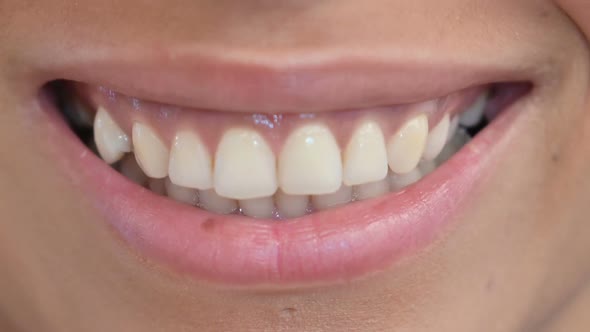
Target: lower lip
(330, 246)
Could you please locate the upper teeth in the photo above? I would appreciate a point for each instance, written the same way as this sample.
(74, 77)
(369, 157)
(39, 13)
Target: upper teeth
(310, 162)
(151, 153)
(309, 170)
(112, 143)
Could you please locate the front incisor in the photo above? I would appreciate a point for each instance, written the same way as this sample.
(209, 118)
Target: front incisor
(245, 166)
(310, 162)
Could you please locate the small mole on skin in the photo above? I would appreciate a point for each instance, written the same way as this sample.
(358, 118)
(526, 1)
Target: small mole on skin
(208, 225)
(555, 157)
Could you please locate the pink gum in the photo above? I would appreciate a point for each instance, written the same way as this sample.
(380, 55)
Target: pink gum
(167, 120)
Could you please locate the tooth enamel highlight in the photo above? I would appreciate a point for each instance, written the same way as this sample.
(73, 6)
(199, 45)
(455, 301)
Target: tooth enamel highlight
(245, 166)
(475, 113)
(131, 170)
(310, 162)
(258, 207)
(437, 138)
(112, 143)
(365, 157)
(372, 190)
(291, 206)
(338, 198)
(400, 181)
(405, 148)
(182, 194)
(151, 153)
(190, 162)
(211, 201)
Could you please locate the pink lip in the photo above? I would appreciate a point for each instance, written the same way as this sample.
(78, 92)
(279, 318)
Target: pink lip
(329, 246)
(278, 83)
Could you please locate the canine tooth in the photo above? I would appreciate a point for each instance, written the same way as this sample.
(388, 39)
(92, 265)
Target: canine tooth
(151, 153)
(405, 148)
(211, 201)
(190, 162)
(181, 194)
(112, 143)
(400, 181)
(291, 206)
(437, 138)
(371, 190)
(310, 162)
(475, 112)
(131, 170)
(258, 207)
(245, 166)
(158, 186)
(365, 157)
(338, 198)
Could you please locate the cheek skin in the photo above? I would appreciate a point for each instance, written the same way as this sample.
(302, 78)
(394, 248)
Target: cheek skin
(524, 239)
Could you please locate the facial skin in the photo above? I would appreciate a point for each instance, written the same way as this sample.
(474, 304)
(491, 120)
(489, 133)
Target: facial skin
(516, 259)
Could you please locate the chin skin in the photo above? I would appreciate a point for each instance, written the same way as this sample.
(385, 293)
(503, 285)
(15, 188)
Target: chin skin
(516, 258)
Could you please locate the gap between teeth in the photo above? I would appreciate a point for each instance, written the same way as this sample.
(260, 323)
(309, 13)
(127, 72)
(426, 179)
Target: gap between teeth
(312, 172)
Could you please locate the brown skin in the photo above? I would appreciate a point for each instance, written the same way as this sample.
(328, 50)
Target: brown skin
(517, 259)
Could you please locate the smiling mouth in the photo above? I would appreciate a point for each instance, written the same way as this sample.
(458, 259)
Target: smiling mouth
(313, 192)
(278, 166)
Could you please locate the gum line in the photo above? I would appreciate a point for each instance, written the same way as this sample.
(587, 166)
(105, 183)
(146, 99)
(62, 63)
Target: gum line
(167, 120)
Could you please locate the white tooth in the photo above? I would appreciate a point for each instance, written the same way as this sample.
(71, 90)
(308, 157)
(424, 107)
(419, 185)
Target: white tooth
(112, 143)
(475, 112)
(190, 162)
(400, 181)
(426, 167)
(437, 138)
(371, 190)
(291, 206)
(245, 166)
(151, 153)
(365, 157)
(310, 162)
(340, 197)
(158, 186)
(405, 148)
(258, 207)
(453, 128)
(131, 170)
(182, 194)
(211, 201)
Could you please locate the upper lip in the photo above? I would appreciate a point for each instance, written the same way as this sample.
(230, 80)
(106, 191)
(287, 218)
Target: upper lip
(281, 83)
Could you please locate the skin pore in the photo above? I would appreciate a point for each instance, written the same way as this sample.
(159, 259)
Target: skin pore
(516, 259)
